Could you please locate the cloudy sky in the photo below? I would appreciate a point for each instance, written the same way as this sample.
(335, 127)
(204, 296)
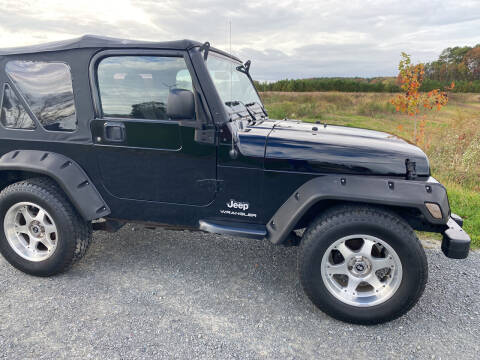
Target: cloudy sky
(284, 39)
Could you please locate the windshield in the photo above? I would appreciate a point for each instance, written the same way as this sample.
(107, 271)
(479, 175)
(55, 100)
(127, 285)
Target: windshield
(232, 85)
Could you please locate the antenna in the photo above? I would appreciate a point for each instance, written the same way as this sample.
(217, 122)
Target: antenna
(231, 65)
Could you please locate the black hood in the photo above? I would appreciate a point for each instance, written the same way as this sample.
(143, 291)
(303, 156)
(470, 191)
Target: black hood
(305, 147)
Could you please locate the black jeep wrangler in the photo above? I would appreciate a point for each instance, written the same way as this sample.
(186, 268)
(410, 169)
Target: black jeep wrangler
(99, 131)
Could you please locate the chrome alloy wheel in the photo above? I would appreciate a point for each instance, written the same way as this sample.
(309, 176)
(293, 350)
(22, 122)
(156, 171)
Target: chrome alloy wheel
(30, 231)
(361, 270)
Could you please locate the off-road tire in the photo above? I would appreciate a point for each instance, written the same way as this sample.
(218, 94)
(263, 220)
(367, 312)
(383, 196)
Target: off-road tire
(75, 234)
(347, 220)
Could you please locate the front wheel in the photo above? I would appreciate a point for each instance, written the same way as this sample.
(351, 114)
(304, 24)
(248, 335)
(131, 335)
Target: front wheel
(362, 264)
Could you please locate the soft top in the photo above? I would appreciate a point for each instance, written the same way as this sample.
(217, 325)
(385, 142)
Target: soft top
(93, 41)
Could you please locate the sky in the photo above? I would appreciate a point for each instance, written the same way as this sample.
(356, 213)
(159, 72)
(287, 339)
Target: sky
(283, 39)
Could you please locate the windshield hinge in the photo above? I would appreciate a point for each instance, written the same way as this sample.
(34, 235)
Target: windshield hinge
(411, 169)
(205, 48)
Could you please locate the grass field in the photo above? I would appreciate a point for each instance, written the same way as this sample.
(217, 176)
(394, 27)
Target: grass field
(451, 136)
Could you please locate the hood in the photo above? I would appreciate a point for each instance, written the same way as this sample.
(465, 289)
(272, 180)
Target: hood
(318, 148)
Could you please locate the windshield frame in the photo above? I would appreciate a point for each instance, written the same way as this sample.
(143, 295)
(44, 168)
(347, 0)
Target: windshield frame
(236, 63)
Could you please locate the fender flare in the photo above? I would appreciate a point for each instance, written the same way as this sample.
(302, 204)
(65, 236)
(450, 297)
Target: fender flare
(362, 189)
(67, 173)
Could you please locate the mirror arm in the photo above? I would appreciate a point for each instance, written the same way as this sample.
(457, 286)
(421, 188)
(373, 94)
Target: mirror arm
(245, 68)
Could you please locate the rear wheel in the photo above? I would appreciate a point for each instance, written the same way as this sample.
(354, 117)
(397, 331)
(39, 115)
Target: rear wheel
(362, 264)
(42, 234)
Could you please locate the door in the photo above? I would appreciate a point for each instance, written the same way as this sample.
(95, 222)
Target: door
(141, 153)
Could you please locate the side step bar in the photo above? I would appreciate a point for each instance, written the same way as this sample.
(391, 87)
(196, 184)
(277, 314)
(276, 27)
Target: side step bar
(254, 231)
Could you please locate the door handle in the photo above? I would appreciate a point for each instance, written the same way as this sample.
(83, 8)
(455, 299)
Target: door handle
(114, 131)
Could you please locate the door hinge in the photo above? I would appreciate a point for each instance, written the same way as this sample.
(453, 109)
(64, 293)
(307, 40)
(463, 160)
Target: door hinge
(210, 185)
(205, 136)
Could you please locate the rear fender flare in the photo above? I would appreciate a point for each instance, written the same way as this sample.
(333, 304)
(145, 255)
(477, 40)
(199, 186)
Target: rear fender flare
(67, 173)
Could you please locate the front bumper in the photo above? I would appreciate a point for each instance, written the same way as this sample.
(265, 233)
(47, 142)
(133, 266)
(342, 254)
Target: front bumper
(456, 242)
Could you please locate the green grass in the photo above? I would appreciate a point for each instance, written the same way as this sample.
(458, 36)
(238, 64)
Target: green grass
(466, 203)
(451, 137)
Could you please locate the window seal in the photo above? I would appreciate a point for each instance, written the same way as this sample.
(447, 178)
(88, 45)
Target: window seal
(128, 119)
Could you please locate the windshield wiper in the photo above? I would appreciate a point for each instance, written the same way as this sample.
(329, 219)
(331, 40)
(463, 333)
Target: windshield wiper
(246, 106)
(260, 105)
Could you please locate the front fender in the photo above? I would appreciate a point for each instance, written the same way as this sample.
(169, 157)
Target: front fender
(363, 189)
(66, 172)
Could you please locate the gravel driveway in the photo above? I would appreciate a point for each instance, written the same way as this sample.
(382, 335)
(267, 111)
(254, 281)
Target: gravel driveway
(142, 293)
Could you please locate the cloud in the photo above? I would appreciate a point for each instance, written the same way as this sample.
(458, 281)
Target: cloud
(282, 38)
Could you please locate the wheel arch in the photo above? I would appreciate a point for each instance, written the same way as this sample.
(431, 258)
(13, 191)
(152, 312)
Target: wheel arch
(410, 214)
(23, 164)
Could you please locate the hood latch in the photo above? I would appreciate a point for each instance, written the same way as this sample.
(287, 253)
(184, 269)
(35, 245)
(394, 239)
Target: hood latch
(411, 169)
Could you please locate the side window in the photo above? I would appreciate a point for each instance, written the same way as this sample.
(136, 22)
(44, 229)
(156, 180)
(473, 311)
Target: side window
(137, 86)
(13, 114)
(47, 89)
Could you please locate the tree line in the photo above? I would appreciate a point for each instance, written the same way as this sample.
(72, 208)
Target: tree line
(458, 64)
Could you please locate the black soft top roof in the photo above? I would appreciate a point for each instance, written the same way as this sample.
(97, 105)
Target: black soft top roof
(93, 41)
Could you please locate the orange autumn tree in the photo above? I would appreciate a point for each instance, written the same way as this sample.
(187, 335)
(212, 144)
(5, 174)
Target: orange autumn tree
(411, 101)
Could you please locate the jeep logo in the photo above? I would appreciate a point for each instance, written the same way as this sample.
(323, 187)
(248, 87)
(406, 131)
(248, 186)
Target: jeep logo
(238, 205)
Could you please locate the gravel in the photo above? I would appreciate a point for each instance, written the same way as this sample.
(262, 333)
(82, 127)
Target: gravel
(142, 293)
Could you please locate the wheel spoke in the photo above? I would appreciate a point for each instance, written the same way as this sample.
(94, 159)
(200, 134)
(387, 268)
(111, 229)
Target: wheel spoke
(21, 229)
(48, 243)
(382, 263)
(344, 250)
(26, 215)
(338, 268)
(33, 244)
(24, 242)
(49, 229)
(40, 216)
(366, 249)
(352, 285)
(374, 282)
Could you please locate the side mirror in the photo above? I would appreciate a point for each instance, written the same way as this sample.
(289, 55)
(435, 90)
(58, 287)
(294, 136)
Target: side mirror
(180, 104)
